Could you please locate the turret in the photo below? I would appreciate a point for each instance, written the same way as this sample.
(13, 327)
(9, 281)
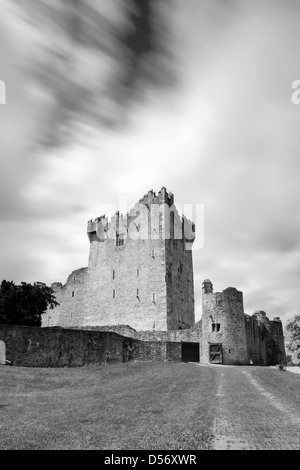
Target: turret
(223, 326)
(207, 287)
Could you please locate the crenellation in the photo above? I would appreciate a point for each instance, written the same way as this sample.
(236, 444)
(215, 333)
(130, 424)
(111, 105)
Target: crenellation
(166, 197)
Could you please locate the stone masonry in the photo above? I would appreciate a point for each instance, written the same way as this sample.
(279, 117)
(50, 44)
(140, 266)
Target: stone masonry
(31, 346)
(140, 271)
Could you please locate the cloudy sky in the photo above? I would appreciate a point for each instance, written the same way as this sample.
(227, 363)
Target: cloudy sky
(106, 100)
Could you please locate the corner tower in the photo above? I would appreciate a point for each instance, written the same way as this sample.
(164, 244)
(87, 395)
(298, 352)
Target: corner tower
(223, 326)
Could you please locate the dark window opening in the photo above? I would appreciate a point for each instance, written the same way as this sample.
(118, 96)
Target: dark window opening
(120, 241)
(215, 327)
(172, 225)
(137, 272)
(73, 293)
(113, 274)
(152, 254)
(169, 278)
(137, 292)
(114, 294)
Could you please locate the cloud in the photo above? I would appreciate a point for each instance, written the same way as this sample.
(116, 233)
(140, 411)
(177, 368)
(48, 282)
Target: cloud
(90, 61)
(215, 125)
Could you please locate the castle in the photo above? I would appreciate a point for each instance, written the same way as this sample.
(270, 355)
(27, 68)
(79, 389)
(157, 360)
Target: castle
(139, 283)
(139, 273)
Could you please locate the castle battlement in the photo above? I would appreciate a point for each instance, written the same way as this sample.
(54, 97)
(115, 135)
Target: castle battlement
(154, 216)
(163, 197)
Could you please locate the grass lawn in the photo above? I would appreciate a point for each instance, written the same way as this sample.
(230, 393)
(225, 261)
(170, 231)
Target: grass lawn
(123, 406)
(285, 383)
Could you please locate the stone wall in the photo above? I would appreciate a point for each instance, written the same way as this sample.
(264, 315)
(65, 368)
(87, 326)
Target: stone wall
(173, 351)
(58, 347)
(265, 340)
(175, 336)
(256, 335)
(275, 343)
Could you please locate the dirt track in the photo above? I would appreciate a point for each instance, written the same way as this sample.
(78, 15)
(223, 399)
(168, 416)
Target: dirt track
(256, 408)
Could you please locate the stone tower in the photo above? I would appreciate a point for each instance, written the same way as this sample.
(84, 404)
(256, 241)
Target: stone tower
(223, 338)
(140, 271)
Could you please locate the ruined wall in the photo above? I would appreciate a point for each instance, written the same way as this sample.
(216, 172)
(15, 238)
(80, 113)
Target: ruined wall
(224, 309)
(174, 336)
(275, 343)
(72, 299)
(256, 336)
(265, 339)
(129, 283)
(58, 347)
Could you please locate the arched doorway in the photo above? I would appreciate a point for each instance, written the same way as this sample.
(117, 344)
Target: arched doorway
(2, 353)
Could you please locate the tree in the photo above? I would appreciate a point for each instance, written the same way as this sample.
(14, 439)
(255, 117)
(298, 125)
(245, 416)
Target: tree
(293, 329)
(24, 304)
